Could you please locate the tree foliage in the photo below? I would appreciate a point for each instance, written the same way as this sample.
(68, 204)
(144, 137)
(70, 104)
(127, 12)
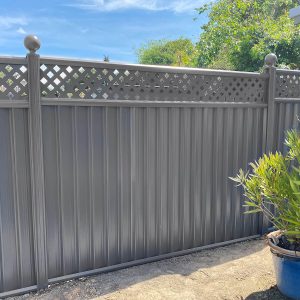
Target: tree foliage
(180, 52)
(240, 33)
(238, 36)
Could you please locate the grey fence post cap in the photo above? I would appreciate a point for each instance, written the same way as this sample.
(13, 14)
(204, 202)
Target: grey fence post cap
(271, 60)
(32, 43)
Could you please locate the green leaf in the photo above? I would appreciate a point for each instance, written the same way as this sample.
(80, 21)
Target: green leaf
(251, 204)
(288, 232)
(291, 221)
(252, 211)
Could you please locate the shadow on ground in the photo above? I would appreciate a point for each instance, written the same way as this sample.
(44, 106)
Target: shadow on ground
(192, 269)
(269, 294)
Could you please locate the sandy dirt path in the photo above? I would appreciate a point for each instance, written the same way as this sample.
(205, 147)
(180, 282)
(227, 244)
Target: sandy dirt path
(239, 271)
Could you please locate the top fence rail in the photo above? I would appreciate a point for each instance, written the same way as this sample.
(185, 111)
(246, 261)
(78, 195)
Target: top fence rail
(150, 68)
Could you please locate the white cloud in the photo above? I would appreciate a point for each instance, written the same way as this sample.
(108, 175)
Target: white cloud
(112, 5)
(9, 22)
(21, 31)
(83, 30)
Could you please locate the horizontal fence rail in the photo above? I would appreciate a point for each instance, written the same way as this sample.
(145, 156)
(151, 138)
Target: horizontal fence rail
(104, 165)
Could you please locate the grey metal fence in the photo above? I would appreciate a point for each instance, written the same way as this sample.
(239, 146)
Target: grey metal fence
(104, 166)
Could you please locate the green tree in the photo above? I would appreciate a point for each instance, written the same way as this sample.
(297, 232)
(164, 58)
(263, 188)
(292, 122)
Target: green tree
(179, 52)
(241, 32)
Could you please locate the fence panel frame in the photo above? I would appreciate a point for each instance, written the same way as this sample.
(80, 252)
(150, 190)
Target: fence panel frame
(36, 101)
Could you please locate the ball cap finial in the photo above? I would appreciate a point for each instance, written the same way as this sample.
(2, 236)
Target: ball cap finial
(32, 43)
(271, 60)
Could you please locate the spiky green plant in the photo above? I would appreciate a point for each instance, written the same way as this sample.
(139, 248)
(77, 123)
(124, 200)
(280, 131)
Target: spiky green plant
(272, 186)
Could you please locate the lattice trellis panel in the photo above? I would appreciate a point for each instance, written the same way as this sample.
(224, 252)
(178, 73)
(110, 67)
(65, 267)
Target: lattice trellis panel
(13, 82)
(77, 82)
(288, 85)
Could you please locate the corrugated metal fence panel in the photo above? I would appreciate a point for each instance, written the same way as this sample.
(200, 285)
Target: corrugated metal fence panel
(287, 115)
(16, 243)
(124, 183)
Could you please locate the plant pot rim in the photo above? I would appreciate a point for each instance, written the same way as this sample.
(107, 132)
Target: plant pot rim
(272, 238)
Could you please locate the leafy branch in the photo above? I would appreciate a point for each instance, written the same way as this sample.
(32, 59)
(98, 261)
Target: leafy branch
(272, 187)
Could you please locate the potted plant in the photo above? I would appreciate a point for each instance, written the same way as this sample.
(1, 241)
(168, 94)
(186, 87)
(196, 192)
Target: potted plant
(272, 186)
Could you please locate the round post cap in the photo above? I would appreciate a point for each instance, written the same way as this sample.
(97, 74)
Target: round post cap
(32, 43)
(271, 60)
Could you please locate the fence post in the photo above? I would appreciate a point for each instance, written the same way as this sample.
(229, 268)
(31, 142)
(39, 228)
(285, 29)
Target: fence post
(270, 62)
(270, 68)
(36, 161)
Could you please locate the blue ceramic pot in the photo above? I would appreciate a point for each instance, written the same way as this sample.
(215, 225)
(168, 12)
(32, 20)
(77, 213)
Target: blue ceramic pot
(287, 270)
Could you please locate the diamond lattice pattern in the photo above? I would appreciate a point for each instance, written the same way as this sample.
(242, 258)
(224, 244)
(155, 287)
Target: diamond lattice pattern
(109, 83)
(13, 82)
(287, 85)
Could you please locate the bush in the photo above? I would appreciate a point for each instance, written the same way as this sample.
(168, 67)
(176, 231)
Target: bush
(180, 52)
(273, 185)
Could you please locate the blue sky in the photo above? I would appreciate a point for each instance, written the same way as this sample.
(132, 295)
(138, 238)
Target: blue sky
(94, 28)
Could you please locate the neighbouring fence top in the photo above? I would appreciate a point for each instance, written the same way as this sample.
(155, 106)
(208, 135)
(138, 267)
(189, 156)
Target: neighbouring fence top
(287, 83)
(78, 79)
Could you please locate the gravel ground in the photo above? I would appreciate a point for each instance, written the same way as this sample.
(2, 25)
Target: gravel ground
(239, 271)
